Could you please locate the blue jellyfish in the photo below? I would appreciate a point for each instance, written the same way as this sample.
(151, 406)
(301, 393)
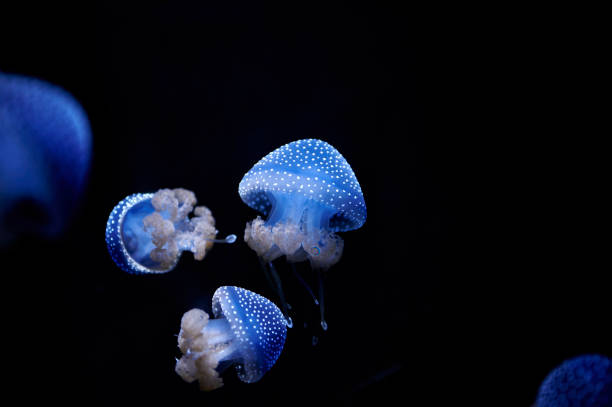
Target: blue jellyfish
(308, 192)
(146, 233)
(248, 331)
(45, 149)
(584, 381)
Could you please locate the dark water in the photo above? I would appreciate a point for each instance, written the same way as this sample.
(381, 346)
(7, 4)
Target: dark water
(453, 288)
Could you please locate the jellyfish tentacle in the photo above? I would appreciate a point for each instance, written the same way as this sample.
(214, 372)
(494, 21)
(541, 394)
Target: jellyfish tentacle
(304, 283)
(321, 298)
(281, 295)
(264, 268)
(274, 283)
(228, 239)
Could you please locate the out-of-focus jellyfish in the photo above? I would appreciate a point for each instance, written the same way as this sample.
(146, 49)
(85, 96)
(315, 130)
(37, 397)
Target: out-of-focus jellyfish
(308, 192)
(146, 233)
(45, 149)
(248, 331)
(584, 381)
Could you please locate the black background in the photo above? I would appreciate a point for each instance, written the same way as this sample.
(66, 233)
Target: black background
(474, 275)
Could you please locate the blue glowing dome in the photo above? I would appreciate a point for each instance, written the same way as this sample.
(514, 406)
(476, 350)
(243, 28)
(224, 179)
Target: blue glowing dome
(311, 170)
(585, 381)
(257, 324)
(45, 150)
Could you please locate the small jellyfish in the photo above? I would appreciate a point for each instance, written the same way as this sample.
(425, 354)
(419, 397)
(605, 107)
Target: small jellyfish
(248, 331)
(45, 151)
(146, 233)
(584, 381)
(308, 192)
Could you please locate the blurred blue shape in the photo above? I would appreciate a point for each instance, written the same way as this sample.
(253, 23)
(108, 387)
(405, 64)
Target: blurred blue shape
(584, 381)
(45, 152)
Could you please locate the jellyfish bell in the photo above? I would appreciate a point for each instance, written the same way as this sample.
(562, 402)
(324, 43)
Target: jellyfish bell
(308, 193)
(248, 331)
(146, 233)
(583, 381)
(45, 151)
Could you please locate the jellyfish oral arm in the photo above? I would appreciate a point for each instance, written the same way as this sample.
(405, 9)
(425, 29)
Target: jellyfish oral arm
(297, 228)
(205, 344)
(218, 332)
(172, 231)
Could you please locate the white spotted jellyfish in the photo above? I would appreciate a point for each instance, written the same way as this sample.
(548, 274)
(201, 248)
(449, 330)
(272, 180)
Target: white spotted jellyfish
(146, 233)
(45, 151)
(308, 192)
(248, 331)
(583, 381)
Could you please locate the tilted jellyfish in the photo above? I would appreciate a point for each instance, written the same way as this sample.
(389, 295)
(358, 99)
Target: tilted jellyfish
(146, 233)
(249, 331)
(584, 381)
(308, 192)
(45, 150)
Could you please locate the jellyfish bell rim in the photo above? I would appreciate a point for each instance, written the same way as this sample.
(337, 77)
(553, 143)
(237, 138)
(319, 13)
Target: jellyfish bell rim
(114, 240)
(262, 198)
(273, 199)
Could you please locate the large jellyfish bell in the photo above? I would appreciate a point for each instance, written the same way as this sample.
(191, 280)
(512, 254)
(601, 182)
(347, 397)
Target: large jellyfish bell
(308, 192)
(146, 233)
(45, 151)
(248, 331)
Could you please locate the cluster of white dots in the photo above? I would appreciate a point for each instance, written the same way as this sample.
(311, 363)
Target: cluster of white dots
(257, 324)
(311, 168)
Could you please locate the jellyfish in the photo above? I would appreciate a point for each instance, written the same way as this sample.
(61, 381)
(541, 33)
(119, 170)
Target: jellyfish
(308, 192)
(146, 233)
(45, 150)
(248, 332)
(584, 381)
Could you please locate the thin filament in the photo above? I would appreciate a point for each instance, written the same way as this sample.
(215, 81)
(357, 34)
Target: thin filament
(306, 286)
(321, 299)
